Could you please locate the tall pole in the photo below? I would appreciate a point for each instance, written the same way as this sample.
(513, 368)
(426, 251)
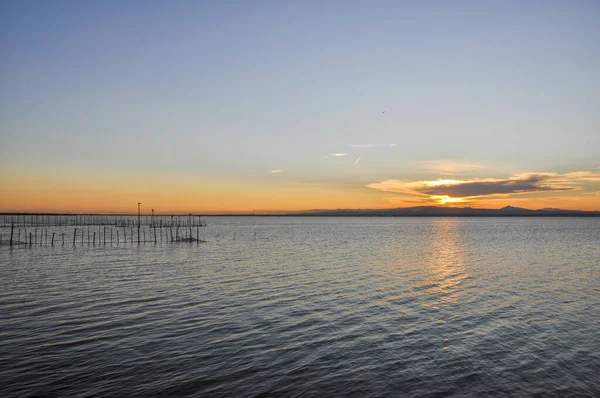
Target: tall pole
(139, 222)
(153, 225)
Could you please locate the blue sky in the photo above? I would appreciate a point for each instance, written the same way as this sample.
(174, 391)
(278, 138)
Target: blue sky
(238, 89)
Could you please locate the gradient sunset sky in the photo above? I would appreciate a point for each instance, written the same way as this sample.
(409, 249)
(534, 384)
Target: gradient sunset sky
(226, 106)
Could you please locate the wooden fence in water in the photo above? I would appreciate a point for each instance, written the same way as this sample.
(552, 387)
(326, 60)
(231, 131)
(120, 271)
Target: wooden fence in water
(39, 229)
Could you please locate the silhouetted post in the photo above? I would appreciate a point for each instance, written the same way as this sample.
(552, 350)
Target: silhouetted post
(154, 234)
(144, 231)
(63, 238)
(139, 222)
(104, 234)
(74, 235)
(29, 238)
(12, 227)
(94, 241)
(52, 243)
(117, 236)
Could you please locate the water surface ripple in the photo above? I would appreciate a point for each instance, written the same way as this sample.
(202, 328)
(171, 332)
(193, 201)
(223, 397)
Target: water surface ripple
(310, 307)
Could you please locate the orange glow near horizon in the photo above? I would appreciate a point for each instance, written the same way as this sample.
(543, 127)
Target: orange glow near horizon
(63, 192)
(120, 194)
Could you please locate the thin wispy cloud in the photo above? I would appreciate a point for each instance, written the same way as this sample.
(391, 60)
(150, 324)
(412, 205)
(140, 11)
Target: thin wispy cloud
(449, 167)
(358, 159)
(278, 171)
(520, 183)
(336, 155)
(371, 145)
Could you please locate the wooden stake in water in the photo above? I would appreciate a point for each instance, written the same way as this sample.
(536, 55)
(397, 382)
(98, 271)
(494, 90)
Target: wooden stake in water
(74, 235)
(12, 227)
(52, 243)
(139, 222)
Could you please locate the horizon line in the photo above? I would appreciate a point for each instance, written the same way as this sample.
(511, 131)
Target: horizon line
(272, 212)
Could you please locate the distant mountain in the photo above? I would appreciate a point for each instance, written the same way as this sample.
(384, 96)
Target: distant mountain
(426, 211)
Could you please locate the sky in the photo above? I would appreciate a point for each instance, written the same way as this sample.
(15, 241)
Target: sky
(261, 106)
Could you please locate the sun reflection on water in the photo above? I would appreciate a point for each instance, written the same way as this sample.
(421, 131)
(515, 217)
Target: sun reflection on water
(445, 261)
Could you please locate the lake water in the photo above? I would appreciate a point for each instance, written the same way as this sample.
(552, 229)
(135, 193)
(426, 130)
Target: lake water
(293, 306)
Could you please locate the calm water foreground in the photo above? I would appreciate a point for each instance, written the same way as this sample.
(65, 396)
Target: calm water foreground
(310, 307)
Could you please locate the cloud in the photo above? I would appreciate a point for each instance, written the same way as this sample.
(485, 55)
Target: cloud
(372, 145)
(449, 167)
(278, 171)
(519, 183)
(480, 188)
(336, 155)
(358, 159)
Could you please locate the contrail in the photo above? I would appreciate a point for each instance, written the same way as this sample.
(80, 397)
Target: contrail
(358, 158)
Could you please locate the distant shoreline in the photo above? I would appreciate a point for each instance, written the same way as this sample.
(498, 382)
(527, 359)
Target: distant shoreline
(565, 214)
(419, 211)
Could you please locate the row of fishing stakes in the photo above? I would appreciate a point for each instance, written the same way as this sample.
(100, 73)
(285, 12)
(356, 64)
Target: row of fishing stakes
(102, 235)
(82, 220)
(166, 229)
